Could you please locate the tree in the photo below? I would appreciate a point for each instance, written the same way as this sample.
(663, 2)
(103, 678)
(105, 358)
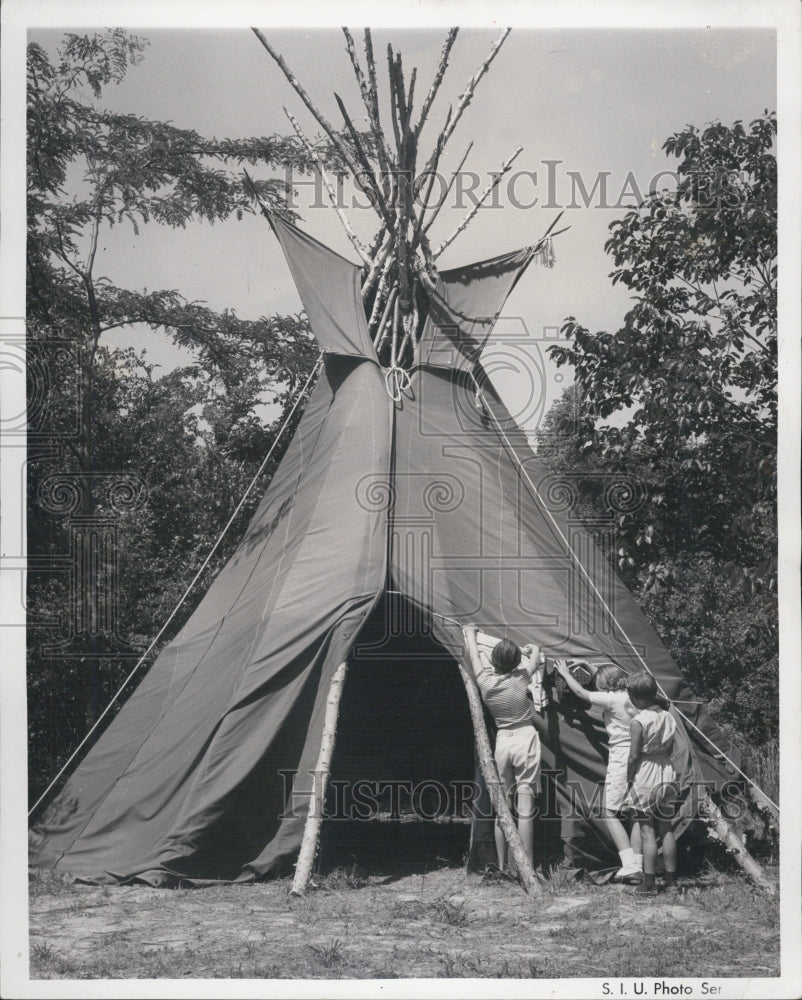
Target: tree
(194, 437)
(693, 369)
(690, 378)
(722, 635)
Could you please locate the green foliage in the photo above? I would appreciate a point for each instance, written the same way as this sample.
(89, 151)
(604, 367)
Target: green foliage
(195, 436)
(724, 641)
(690, 382)
(694, 366)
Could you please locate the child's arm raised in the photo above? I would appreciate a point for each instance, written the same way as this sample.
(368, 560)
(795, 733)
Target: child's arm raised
(561, 666)
(531, 658)
(635, 745)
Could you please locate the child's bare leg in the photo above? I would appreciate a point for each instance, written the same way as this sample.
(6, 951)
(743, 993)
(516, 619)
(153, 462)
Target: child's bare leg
(501, 840)
(647, 832)
(649, 841)
(526, 818)
(501, 846)
(635, 837)
(666, 831)
(616, 830)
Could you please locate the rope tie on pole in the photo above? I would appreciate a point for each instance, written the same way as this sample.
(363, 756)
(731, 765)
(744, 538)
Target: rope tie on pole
(184, 596)
(397, 381)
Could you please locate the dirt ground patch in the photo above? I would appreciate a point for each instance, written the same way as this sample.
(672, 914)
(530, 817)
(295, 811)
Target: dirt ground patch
(442, 923)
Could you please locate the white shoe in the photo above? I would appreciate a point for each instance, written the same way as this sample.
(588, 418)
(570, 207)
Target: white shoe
(629, 873)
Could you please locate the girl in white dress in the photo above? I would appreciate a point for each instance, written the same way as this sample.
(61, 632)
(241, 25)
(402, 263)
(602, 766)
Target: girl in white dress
(652, 778)
(618, 711)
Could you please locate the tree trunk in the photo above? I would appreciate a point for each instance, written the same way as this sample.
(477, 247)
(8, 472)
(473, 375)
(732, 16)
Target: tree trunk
(320, 778)
(490, 773)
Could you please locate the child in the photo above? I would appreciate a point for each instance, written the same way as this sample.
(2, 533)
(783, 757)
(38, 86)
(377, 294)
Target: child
(503, 682)
(652, 778)
(618, 712)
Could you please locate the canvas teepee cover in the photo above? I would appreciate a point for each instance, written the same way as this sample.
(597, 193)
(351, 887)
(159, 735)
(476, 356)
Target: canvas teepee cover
(432, 496)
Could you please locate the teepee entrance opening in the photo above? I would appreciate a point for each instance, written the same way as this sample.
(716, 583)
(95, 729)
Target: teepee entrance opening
(404, 757)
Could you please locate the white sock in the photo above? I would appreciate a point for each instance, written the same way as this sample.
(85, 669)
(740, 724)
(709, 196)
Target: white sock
(627, 857)
(639, 860)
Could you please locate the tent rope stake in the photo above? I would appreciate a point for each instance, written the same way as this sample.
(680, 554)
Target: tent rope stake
(183, 597)
(320, 780)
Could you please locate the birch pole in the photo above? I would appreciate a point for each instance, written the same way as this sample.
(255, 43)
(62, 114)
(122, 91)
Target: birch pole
(327, 127)
(453, 177)
(720, 829)
(355, 241)
(367, 169)
(370, 100)
(485, 195)
(379, 261)
(381, 331)
(438, 79)
(529, 879)
(320, 778)
(467, 95)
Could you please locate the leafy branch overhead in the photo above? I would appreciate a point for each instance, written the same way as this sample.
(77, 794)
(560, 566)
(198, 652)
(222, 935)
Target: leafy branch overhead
(693, 369)
(193, 436)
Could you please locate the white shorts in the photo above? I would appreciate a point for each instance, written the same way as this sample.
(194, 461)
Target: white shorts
(615, 781)
(518, 757)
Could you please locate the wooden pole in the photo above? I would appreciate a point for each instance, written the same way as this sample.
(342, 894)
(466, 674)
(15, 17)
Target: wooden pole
(430, 170)
(379, 262)
(320, 778)
(720, 829)
(438, 79)
(467, 94)
(327, 127)
(370, 100)
(381, 330)
(355, 241)
(367, 169)
(485, 195)
(443, 200)
(373, 91)
(394, 110)
(529, 880)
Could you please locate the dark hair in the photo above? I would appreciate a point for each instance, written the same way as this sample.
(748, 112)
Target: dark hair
(642, 687)
(506, 656)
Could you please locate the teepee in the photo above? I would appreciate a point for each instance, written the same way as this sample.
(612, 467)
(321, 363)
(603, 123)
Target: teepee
(407, 485)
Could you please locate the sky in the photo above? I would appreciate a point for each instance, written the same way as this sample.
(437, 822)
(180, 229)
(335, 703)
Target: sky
(581, 102)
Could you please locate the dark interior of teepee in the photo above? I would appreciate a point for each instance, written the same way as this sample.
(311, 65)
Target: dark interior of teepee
(404, 724)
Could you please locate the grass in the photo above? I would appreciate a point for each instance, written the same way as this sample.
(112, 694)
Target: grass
(443, 924)
(329, 954)
(440, 911)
